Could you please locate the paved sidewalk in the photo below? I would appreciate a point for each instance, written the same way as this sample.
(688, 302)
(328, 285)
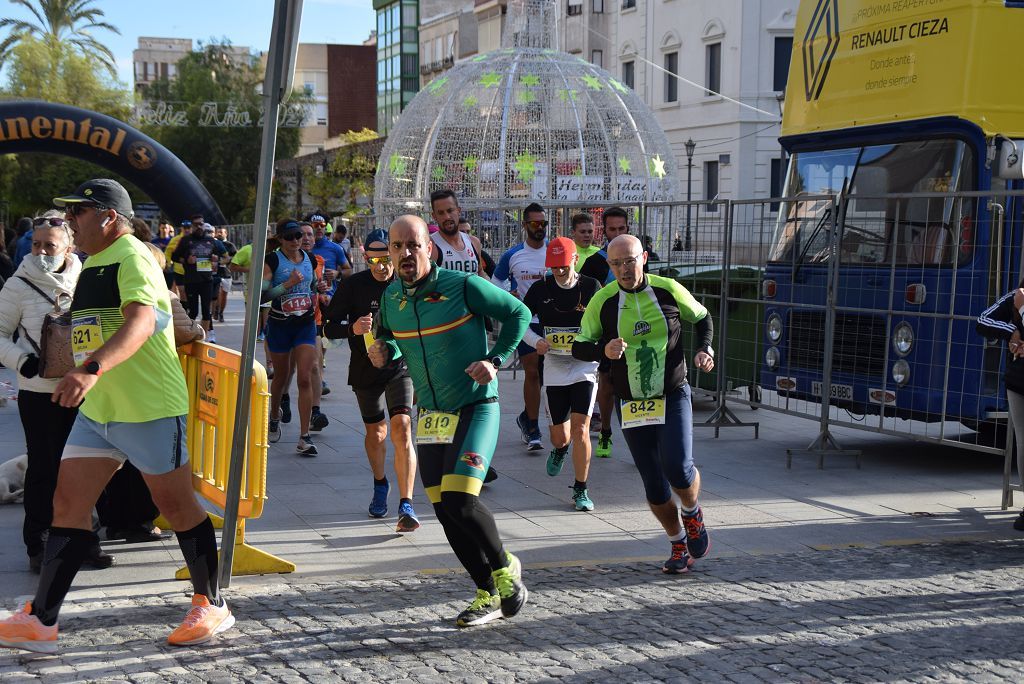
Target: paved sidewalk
(777, 535)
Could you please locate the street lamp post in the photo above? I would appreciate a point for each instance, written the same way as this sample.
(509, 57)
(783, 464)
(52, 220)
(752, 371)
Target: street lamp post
(690, 147)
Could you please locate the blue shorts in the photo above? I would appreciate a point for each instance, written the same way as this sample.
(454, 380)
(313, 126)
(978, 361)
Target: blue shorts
(283, 336)
(664, 453)
(155, 447)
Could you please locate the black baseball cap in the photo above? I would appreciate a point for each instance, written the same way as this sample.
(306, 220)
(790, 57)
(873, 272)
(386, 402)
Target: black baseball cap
(101, 192)
(376, 235)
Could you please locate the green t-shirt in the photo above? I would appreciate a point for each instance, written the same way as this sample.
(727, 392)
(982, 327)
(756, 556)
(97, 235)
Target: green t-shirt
(243, 257)
(150, 384)
(584, 254)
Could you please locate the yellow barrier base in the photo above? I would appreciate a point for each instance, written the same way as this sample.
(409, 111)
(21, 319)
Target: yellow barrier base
(218, 522)
(248, 560)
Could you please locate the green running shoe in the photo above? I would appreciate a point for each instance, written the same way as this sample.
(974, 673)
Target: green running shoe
(555, 462)
(484, 608)
(509, 581)
(581, 499)
(604, 447)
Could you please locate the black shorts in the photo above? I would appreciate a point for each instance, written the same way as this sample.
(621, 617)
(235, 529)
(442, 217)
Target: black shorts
(604, 365)
(396, 394)
(576, 398)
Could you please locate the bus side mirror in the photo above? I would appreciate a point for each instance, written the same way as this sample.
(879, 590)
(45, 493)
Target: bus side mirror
(1011, 159)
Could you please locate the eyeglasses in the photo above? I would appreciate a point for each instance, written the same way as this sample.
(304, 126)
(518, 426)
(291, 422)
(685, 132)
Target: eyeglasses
(378, 261)
(53, 222)
(291, 237)
(624, 263)
(535, 224)
(77, 209)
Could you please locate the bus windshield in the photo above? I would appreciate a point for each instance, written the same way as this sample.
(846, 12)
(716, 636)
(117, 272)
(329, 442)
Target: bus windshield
(925, 226)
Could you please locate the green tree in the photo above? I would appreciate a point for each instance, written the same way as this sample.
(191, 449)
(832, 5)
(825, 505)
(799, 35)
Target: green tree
(349, 176)
(29, 181)
(226, 159)
(61, 23)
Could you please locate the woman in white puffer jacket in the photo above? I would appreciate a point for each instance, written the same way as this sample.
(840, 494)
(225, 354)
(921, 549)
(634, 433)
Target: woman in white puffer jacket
(54, 269)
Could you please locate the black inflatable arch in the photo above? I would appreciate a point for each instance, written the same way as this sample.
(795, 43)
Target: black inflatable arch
(37, 126)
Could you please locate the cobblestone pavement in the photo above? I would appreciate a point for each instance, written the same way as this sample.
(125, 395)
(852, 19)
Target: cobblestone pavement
(929, 612)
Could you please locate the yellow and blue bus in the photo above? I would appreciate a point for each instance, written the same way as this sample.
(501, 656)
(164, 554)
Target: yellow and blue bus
(900, 109)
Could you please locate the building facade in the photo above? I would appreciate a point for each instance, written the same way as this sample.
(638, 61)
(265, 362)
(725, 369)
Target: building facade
(157, 58)
(340, 81)
(731, 48)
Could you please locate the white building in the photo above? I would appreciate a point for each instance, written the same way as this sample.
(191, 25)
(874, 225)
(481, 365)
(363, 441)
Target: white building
(739, 48)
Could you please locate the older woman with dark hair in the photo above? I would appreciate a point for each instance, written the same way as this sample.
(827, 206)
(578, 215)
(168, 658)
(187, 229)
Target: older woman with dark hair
(46, 275)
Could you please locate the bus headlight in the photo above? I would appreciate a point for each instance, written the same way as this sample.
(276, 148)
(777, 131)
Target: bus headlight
(772, 358)
(903, 339)
(774, 328)
(901, 372)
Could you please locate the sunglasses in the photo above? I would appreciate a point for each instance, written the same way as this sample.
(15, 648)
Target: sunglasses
(53, 222)
(291, 237)
(77, 209)
(536, 224)
(377, 261)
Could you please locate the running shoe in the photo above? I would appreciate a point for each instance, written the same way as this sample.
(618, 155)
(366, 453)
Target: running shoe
(379, 503)
(555, 462)
(220, 318)
(595, 423)
(509, 581)
(534, 443)
(274, 431)
(260, 337)
(679, 562)
(24, 630)
(698, 543)
(604, 447)
(270, 367)
(1018, 524)
(211, 337)
(324, 389)
(318, 422)
(286, 408)
(491, 475)
(524, 427)
(484, 608)
(305, 447)
(407, 520)
(581, 500)
(202, 622)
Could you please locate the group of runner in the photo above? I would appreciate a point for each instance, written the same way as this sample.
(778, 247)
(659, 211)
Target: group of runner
(416, 322)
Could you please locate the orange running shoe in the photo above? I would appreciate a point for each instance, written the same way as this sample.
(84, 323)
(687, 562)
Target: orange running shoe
(24, 630)
(202, 622)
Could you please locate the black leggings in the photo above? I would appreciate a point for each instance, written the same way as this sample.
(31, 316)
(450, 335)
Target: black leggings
(199, 295)
(472, 534)
(47, 426)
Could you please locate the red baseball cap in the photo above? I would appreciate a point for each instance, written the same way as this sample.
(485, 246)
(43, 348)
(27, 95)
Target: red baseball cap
(560, 253)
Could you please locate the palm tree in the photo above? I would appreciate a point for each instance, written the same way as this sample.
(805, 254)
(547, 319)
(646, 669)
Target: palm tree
(67, 22)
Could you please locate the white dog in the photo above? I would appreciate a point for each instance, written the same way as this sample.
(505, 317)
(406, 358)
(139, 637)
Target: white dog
(12, 479)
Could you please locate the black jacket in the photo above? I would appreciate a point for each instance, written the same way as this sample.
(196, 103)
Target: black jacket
(999, 321)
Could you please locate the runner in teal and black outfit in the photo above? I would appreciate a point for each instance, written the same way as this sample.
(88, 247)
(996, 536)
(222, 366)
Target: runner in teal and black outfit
(636, 322)
(434, 318)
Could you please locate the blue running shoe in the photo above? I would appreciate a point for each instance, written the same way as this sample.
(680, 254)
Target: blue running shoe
(379, 504)
(679, 562)
(698, 542)
(407, 520)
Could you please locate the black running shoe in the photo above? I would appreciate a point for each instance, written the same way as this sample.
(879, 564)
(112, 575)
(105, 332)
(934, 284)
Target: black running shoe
(274, 431)
(286, 409)
(1018, 524)
(318, 422)
(509, 581)
(679, 562)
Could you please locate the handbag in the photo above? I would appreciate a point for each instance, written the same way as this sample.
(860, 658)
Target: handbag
(54, 350)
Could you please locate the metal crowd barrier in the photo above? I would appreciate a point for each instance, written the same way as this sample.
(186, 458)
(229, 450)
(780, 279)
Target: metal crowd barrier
(211, 374)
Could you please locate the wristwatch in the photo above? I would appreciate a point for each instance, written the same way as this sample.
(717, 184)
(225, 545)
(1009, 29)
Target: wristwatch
(496, 361)
(93, 368)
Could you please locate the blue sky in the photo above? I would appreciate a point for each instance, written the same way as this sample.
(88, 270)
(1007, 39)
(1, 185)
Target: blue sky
(243, 22)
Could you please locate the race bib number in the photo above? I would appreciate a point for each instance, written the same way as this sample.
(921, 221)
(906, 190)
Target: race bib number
(204, 265)
(561, 339)
(436, 427)
(86, 337)
(296, 304)
(641, 412)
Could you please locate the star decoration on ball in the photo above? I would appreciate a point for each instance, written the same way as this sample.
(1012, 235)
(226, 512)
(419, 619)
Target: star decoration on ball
(593, 82)
(657, 166)
(618, 86)
(437, 85)
(437, 173)
(624, 165)
(396, 165)
(524, 166)
(470, 163)
(530, 80)
(491, 79)
(471, 101)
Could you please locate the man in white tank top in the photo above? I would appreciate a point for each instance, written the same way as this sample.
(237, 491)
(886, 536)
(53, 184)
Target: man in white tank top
(450, 248)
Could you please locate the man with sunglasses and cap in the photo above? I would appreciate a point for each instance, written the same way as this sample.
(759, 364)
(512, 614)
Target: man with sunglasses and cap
(352, 315)
(522, 266)
(133, 406)
(570, 385)
(200, 253)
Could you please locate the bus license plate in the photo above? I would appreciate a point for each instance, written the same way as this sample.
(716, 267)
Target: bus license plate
(835, 391)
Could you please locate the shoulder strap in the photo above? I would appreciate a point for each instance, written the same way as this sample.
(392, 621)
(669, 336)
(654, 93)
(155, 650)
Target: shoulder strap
(33, 286)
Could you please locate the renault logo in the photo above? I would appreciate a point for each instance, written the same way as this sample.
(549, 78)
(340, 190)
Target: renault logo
(820, 45)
